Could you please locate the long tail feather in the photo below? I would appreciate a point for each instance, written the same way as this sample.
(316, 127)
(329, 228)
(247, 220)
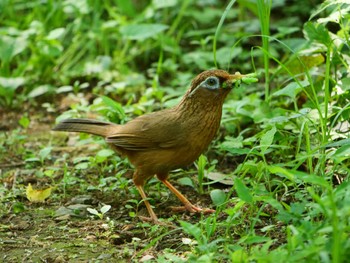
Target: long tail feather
(96, 127)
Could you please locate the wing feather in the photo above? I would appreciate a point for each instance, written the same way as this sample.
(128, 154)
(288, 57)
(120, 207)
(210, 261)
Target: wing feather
(148, 132)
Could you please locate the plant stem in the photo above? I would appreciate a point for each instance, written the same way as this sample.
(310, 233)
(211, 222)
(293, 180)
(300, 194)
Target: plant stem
(264, 9)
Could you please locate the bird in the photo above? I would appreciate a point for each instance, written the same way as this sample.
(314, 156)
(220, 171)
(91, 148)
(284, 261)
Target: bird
(159, 142)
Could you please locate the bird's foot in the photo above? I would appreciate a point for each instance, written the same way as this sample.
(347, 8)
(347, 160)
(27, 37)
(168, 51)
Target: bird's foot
(192, 209)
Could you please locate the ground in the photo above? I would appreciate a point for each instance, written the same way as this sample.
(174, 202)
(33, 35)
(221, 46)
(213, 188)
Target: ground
(61, 229)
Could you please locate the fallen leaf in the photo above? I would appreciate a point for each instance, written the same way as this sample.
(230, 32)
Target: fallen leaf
(220, 178)
(146, 258)
(38, 196)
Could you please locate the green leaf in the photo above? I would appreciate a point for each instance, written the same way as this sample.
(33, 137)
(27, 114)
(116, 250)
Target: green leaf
(33, 159)
(10, 47)
(115, 106)
(342, 153)
(271, 201)
(281, 172)
(12, 83)
(237, 151)
(267, 139)
(64, 89)
(234, 146)
(126, 7)
(158, 4)
(218, 197)
(93, 211)
(105, 209)
(338, 143)
(256, 239)
(105, 153)
(232, 143)
(44, 153)
(141, 31)
(292, 89)
(221, 178)
(40, 90)
(192, 230)
(239, 256)
(345, 84)
(186, 181)
(317, 32)
(312, 179)
(242, 191)
(226, 54)
(82, 166)
(293, 176)
(56, 33)
(8, 87)
(327, 4)
(202, 162)
(18, 207)
(102, 155)
(24, 121)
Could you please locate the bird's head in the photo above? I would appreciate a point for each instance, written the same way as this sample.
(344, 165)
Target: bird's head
(213, 83)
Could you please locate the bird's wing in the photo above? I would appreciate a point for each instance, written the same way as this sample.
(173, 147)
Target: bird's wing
(161, 129)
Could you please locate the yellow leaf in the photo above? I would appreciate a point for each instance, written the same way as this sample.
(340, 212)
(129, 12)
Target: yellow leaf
(38, 196)
(304, 63)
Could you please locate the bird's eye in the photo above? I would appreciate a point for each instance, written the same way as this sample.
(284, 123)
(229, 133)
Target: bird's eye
(212, 81)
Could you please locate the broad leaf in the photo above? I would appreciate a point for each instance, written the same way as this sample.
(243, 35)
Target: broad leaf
(267, 139)
(218, 197)
(142, 31)
(242, 191)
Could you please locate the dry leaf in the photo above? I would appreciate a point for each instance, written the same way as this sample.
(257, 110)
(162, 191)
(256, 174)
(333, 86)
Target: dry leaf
(38, 196)
(220, 178)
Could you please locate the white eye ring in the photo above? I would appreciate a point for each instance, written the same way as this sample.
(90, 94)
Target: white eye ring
(212, 83)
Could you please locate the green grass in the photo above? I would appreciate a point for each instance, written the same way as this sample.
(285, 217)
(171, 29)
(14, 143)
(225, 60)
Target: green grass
(284, 142)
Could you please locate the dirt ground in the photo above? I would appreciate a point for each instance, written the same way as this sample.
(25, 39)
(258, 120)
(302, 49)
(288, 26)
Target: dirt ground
(61, 229)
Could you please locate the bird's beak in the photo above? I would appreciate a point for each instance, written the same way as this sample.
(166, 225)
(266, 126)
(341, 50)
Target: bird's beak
(233, 80)
(237, 78)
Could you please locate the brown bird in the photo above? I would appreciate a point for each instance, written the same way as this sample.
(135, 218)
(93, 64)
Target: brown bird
(169, 139)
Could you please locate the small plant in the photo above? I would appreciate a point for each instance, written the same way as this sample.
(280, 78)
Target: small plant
(201, 164)
(104, 209)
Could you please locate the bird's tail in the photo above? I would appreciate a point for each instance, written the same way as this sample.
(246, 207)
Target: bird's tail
(96, 127)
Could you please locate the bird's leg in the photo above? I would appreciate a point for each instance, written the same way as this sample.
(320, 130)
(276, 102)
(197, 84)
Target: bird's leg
(153, 216)
(139, 182)
(188, 205)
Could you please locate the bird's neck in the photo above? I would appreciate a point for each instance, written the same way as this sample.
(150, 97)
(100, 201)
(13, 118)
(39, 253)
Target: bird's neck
(202, 116)
(200, 104)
